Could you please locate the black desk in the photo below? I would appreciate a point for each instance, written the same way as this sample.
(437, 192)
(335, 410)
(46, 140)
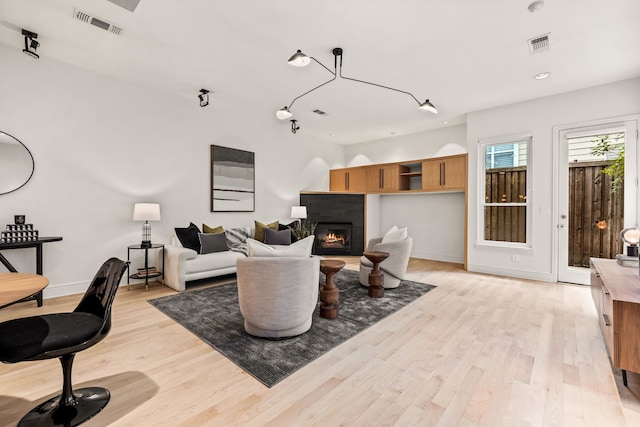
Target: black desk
(31, 244)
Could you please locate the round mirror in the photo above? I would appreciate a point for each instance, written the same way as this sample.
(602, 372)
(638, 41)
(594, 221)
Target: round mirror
(16, 164)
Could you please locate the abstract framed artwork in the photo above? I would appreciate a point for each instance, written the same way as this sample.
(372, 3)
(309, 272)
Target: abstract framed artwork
(232, 180)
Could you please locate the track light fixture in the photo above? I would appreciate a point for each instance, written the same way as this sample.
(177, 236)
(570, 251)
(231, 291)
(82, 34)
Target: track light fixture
(294, 126)
(299, 59)
(204, 97)
(30, 42)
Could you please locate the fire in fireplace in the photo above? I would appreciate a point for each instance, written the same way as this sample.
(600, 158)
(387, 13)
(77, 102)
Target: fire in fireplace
(333, 238)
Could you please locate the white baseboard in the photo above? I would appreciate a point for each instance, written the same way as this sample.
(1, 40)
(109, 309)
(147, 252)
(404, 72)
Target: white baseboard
(438, 257)
(520, 274)
(64, 289)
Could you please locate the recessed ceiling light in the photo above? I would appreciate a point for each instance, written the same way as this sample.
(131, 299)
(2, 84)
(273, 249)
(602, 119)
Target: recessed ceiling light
(536, 6)
(541, 76)
(332, 134)
(445, 122)
(392, 133)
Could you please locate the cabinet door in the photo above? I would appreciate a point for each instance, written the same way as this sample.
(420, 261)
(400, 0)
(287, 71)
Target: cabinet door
(391, 178)
(431, 175)
(337, 180)
(357, 180)
(374, 178)
(454, 173)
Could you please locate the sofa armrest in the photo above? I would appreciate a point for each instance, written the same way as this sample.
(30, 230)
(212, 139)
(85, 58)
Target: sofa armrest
(174, 265)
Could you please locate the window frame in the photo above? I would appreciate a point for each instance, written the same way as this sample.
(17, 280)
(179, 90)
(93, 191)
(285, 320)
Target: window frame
(526, 138)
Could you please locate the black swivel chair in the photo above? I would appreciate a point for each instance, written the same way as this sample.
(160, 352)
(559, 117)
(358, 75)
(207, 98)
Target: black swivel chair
(62, 335)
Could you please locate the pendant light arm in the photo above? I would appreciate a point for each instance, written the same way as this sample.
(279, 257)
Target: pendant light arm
(375, 84)
(323, 66)
(311, 90)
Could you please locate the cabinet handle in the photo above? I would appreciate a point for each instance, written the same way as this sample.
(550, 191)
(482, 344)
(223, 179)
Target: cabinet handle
(444, 173)
(346, 180)
(441, 175)
(606, 319)
(380, 178)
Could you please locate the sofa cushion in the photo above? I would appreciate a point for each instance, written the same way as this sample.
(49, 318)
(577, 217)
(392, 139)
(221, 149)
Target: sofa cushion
(260, 227)
(211, 262)
(395, 235)
(213, 242)
(295, 225)
(188, 237)
(280, 237)
(301, 248)
(207, 229)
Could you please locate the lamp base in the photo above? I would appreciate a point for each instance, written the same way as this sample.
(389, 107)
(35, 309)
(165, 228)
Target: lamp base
(145, 244)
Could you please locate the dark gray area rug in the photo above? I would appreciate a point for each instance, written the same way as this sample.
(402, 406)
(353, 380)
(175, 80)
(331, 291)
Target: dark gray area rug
(214, 316)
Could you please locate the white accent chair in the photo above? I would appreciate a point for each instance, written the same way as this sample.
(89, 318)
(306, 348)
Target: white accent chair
(394, 268)
(278, 295)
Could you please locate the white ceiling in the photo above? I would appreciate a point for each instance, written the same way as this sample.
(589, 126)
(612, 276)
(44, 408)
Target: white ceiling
(464, 55)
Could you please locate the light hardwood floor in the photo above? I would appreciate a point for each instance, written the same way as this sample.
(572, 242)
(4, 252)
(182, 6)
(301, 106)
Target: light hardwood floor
(478, 350)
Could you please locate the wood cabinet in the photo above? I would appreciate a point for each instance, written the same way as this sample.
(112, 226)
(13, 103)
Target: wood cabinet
(445, 173)
(616, 294)
(386, 178)
(423, 175)
(351, 180)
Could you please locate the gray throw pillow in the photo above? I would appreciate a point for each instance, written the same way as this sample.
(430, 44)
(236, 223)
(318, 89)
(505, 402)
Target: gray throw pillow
(213, 242)
(273, 237)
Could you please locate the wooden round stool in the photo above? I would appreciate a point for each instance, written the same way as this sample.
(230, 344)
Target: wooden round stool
(329, 293)
(376, 278)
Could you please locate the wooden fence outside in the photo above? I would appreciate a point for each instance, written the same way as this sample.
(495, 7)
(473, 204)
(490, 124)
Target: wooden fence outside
(590, 202)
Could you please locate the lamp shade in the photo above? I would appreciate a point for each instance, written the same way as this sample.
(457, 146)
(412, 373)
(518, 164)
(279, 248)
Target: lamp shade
(283, 113)
(630, 235)
(428, 106)
(299, 212)
(299, 59)
(146, 212)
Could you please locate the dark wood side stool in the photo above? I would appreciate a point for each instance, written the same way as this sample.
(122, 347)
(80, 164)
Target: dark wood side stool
(329, 293)
(376, 278)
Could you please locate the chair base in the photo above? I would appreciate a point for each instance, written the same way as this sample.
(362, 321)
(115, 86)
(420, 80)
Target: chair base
(89, 401)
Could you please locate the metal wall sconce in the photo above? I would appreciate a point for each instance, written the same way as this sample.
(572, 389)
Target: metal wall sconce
(30, 42)
(299, 59)
(204, 97)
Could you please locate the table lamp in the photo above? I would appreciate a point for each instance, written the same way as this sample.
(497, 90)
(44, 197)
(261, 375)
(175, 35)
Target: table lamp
(146, 212)
(631, 236)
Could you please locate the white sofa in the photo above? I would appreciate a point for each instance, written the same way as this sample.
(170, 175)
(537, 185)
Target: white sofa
(182, 264)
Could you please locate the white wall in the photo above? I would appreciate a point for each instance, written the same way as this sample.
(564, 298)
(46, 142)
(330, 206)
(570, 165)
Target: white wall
(100, 145)
(538, 117)
(435, 220)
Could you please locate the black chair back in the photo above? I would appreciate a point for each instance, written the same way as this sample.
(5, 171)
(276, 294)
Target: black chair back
(99, 297)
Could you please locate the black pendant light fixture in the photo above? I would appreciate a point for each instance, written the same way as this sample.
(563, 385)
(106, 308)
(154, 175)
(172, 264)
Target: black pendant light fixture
(299, 59)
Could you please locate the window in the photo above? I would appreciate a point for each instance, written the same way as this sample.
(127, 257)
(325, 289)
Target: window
(504, 203)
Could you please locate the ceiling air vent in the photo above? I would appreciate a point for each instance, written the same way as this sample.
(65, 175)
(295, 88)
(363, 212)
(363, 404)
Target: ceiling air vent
(539, 44)
(97, 22)
(320, 112)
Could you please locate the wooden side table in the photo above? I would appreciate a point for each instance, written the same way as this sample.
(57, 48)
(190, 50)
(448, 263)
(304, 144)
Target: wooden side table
(329, 293)
(376, 278)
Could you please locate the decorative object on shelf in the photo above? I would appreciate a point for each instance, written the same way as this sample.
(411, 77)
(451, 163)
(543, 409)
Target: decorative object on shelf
(299, 59)
(232, 180)
(19, 232)
(302, 228)
(30, 42)
(204, 97)
(146, 212)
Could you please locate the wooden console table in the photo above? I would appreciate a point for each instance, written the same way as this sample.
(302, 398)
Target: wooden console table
(616, 294)
(16, 287)
(30, 244)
